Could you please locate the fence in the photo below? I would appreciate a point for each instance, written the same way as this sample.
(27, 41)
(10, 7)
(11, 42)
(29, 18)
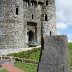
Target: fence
(23, 60)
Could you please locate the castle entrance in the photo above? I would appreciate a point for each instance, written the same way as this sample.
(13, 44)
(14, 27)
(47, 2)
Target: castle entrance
(32, 34)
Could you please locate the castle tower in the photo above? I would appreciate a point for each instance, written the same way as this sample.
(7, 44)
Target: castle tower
(11, 24)
(21, 22)
(49, 20)
(32, 21)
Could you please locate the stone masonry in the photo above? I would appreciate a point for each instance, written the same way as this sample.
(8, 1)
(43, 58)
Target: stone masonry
(23, 21)
(54, 55)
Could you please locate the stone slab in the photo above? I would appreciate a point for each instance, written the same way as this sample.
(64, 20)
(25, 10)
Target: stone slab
(55, 55)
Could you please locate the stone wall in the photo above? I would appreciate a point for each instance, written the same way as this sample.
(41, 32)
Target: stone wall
(11, 24)
(30, 10)
(49, 26)
(54, 55)
(14, 17)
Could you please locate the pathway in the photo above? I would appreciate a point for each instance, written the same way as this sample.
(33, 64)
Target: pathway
(11, 68)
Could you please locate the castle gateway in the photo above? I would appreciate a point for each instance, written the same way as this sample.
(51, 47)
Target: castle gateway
(23, 21)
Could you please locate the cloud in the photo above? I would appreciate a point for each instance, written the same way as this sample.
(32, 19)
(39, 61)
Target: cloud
(64, 17)
(62, 26)
(64, 11)
(69, 40)
(58, 33)
(60, 15)
(64, 3)
(69, 37)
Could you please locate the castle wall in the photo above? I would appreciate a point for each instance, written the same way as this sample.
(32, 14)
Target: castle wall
(11, 25)
(14, 18)
(49, 25)
(36, 12)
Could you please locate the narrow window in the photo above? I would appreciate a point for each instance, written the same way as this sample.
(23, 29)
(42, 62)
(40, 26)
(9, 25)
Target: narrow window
(17, 11)
(50, 33)
(32, 16)
(46, 17)
(46, 3)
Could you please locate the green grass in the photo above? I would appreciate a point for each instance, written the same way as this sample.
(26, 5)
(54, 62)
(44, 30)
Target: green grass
(35, 56)
(3, 70)
(70, 50)
(30, 54)
(26, 67)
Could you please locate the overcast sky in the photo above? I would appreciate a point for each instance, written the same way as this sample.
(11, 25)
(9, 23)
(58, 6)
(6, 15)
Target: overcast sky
(64, 17)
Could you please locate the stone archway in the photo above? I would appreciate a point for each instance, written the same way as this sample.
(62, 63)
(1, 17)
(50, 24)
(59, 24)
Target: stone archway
(32, 34)
(30, 38)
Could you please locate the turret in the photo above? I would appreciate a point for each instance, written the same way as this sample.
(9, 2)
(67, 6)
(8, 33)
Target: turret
(49, 19)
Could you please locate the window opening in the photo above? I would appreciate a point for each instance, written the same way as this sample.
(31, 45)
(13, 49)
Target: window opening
(50, 33)
(17, 11)
(32, 16)
(46, 3)
(46, 17)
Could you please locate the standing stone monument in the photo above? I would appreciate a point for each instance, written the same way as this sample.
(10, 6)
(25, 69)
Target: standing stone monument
(54, 55)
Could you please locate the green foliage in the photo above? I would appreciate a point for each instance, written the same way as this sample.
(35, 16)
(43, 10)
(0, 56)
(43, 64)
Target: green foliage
(3, 70)
(35, 56)
(30, 54)
(26, 67)
(70, 49)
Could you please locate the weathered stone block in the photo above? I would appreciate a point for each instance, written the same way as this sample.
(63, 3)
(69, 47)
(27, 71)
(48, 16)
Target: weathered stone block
(54, 55)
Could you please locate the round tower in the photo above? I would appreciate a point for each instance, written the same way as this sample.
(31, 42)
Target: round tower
(11, 24)
(49, 18)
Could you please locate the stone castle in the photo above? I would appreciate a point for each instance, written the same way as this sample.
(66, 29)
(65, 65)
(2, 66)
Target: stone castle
(22, 22)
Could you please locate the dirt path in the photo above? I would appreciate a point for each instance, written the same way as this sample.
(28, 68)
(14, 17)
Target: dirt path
(11, 68)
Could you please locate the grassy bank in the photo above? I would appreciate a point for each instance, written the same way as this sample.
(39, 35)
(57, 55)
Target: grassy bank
(3, 70)
(26, 67)
(70, 50)
(30, 54)
(34, 55)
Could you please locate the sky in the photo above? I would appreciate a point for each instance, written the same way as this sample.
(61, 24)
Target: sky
(64, 18)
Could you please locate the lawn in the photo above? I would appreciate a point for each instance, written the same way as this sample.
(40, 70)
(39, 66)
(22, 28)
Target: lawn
(27, 67)
(3, 70)
(70, 50)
